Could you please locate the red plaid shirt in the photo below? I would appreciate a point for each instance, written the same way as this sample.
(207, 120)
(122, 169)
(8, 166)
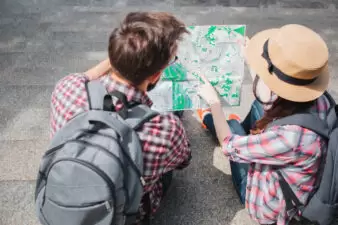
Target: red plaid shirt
(165, 145)
(296, 150)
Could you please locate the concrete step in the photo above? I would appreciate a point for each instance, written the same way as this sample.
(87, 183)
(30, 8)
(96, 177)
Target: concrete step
(20, 160)
(24, 124)
(16, 203)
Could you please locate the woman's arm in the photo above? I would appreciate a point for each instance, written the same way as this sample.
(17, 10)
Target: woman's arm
(221, 125)
(99, 70)
(209, 94)
(272, 147)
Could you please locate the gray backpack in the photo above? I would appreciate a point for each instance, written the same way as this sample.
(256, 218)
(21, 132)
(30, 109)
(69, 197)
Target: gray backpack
(92, 173)
(322, 206)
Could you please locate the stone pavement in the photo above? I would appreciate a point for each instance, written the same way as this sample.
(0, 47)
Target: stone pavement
(43, 40)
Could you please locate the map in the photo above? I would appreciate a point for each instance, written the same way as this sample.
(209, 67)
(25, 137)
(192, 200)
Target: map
(214, 51)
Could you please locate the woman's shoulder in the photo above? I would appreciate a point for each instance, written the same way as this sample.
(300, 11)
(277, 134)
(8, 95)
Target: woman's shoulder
(295, 134)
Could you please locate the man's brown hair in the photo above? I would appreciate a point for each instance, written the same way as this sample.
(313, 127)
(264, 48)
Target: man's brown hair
(144, 44)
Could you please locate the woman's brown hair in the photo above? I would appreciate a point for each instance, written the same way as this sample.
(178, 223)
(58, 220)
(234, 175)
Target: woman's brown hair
(279, 108)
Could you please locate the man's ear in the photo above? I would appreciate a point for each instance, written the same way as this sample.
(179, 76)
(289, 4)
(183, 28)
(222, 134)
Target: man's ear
(155, 77)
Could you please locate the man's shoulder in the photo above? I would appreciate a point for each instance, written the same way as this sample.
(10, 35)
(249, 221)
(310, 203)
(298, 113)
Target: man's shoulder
(71, 80)
(70, 89)
(68, 99)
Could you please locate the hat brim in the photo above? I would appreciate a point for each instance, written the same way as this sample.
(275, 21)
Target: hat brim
(253, 54)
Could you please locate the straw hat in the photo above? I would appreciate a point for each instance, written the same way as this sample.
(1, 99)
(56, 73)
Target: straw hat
(292, 61)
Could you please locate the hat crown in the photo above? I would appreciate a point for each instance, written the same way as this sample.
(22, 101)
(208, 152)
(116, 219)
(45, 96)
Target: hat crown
(298, 51)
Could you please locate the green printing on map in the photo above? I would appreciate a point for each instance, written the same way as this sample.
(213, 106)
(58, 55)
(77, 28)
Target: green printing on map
(210, 37)
(175, 72)
(181, 99)
(240, 30)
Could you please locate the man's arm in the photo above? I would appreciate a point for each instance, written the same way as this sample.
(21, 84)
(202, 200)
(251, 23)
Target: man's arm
(99, 70)
(180, 155)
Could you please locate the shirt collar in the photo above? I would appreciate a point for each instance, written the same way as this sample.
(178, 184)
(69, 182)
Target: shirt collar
(132, 93)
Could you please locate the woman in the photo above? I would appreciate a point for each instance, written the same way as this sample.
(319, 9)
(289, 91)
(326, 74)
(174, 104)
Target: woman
(291, 63)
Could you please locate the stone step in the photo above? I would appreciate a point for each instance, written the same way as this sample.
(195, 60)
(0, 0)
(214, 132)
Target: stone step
(20, 97)
(20, 160)
(16, 203)
(202, 203)
(39, 79)
(24, 124)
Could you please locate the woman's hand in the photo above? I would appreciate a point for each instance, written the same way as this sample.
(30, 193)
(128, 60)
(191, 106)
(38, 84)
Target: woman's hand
(99, 70)
(208, 92)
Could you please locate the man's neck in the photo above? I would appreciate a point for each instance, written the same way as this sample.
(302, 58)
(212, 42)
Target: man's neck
(141, 87)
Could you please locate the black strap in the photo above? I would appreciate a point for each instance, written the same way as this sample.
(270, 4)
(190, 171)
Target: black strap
(108, 103)
(88, 95)
(148, 208)
(282, 76)
(330, 98)
(291, 199)
(123, 112)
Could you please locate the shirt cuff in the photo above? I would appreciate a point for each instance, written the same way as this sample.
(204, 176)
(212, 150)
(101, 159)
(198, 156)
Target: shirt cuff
(228, 148)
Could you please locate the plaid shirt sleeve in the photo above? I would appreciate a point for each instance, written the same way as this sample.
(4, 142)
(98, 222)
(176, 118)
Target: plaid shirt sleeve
(68, 99)
(180, 155)
(166, 143)
(276, 146)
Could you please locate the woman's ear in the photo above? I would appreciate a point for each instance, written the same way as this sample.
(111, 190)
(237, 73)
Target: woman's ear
(263, 92)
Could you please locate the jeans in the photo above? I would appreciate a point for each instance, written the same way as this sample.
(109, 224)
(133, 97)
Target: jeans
(166, 181)
(239, 171)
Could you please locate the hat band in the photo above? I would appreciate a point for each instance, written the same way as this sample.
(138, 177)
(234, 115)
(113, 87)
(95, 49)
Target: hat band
(282, 76)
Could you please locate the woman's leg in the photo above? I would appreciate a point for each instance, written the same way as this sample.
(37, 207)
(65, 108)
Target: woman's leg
(256, 113)
(239, 171)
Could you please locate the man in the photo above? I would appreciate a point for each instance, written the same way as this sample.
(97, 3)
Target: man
(139, 50)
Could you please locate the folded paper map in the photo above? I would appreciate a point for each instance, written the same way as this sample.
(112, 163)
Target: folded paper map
(214, 51)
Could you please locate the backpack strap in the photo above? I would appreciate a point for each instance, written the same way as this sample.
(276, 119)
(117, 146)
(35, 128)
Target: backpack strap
(292, 202)
(140, 114)
(98, 97)
(332, 114)
(313, 123)
(330, 98)
(135, 114)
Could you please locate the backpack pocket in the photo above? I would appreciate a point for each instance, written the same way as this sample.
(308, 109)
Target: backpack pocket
(77, 193)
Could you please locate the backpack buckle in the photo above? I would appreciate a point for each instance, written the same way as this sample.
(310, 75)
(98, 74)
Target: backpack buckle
(292, 212)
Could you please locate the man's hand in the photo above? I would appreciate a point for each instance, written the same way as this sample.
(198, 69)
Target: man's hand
(208, 92)
(99, 70)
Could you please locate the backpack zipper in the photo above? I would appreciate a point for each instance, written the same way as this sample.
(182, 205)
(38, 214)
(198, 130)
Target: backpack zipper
(100, 148)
